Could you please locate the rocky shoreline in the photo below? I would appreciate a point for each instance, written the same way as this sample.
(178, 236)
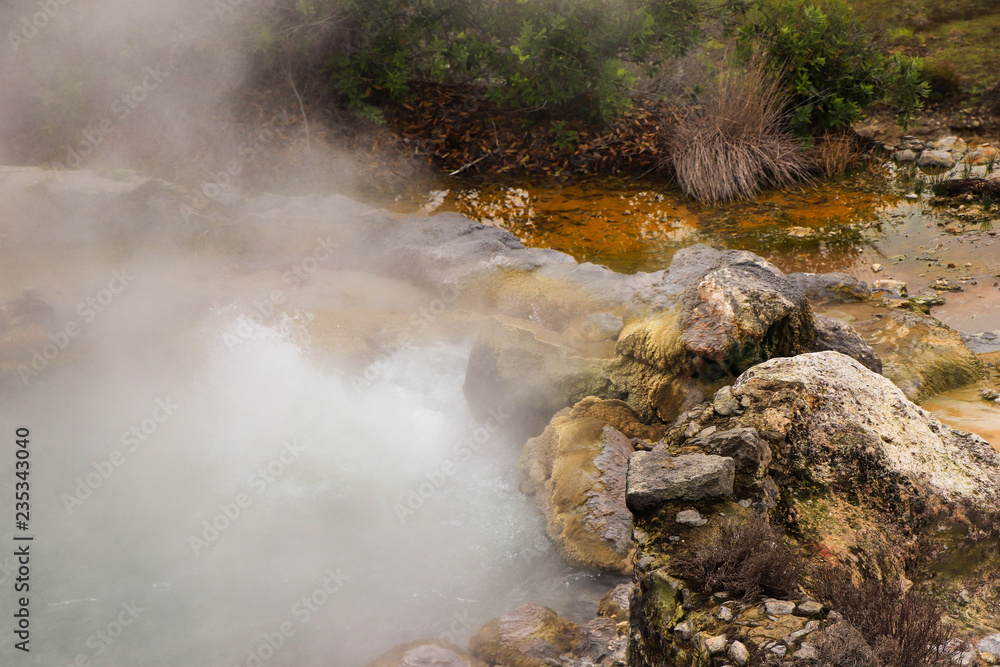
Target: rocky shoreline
(657, 408)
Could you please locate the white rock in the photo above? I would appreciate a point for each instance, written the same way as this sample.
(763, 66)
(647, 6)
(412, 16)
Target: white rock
(779, 607)
(691, 518)
(739, 654)
(716, 644)
(685, 629)
(990, 644)
(806, 652)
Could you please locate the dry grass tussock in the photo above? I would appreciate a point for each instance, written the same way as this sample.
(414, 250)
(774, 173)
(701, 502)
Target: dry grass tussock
(836, 153)
(744, 556)
(898, 629)
(737, 143)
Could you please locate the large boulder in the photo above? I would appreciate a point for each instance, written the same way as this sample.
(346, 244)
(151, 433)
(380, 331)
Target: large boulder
(426, 654)
(855, 465)
(848, 430)
(576, 470)
(729, 311)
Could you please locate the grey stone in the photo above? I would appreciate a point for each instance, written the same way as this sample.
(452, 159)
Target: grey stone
(798, 634)
(656, 477)
(910, 143)
(739, 653)
(599, 640)
(691, 518)
(725, 614)
(715, 645)
(806, 652)
(743, 445)
(984, 341)
(904, 156)
(724, 403)
(780, 650)
(779, 607)
(808, 608)
(705, 432)
(845, 405)
(990, 644)
(952, 144)
(936, 158)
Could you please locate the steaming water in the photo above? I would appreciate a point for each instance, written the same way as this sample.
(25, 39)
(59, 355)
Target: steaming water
(318, 466)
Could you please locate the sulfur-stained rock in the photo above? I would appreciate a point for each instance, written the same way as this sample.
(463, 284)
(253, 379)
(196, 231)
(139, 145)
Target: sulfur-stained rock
(731, 309)
(529, 636)
(576, 469)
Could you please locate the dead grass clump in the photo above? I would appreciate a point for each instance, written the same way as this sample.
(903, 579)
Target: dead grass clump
(738, 142)
(746, 557)
(842, 645)
(903, 629)
(836, 153)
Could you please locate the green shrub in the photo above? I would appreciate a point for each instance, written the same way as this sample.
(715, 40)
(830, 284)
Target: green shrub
(564, 58)
(834, 64)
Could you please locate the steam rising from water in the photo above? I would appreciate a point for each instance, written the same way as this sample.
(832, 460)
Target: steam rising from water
(265, 498)
(207, 489)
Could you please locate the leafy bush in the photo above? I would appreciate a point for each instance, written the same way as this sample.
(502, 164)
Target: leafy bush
(833, 63)
(903, 629)
(564, 57)
(737, 142)
(744, 556)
